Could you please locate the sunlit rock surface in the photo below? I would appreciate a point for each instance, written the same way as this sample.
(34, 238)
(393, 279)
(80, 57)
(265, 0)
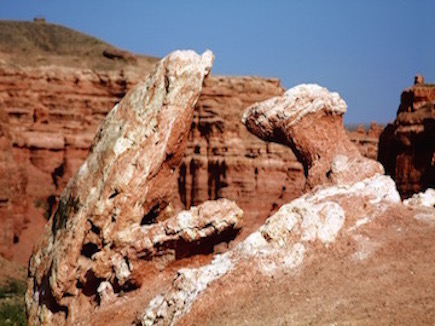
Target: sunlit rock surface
(308, 118)
(338, 219)
(116, 213)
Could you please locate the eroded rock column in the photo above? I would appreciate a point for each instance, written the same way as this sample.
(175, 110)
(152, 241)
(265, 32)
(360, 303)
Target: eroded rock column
(308, 118)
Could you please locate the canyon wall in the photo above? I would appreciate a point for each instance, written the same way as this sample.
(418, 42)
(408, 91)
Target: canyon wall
(54, 113)
(407, 146)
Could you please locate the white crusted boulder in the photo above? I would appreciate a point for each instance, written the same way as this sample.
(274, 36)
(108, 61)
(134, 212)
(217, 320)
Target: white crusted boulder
(308, 118)
(350, 192)
(282, 244)
(115, 213)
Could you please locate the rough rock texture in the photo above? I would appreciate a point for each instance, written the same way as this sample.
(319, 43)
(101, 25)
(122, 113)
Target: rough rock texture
(407, 146)
(334, 221)
(55, 111)
(426, 199)
(423, 205)
(12, 192)
(53, 114)
(224, 160)
(289, 237)
(115, 214)
(309, 119)
(367, 141)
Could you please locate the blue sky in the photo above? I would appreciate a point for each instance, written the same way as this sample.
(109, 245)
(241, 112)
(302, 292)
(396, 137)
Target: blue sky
(368, 51)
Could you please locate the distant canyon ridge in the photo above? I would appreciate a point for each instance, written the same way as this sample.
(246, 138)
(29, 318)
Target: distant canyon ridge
(51, 105)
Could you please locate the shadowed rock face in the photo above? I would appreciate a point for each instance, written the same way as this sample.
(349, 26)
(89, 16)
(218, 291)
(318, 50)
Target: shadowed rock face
(12, 187)
(115, 214)
(309, 119)
(407, 146)
(352, 195)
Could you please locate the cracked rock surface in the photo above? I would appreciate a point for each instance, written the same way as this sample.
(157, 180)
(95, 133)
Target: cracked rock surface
(116, 214)
(351, 216)
(308, 118)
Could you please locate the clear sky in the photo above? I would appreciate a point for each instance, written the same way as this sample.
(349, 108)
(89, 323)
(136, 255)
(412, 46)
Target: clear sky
(367, 50)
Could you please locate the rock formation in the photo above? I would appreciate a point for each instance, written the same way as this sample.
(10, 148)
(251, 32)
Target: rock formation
(367, 141)
(407, 146)
(320, 142)
(55, 111)
(224, 160)
(348, 196)
(12, 192)
(116, 214)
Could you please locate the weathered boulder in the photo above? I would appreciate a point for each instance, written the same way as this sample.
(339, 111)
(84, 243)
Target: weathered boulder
(309, 119)
(115, 215)
(338, 221)
(407, 146)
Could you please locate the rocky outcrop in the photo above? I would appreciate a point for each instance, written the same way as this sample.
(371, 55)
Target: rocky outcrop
(115, 215)
(320, 141)
(55, 111)
(348, 196)
(12, 192)
(407, 146)
(367, 141)
(224, 160)
(53, 114)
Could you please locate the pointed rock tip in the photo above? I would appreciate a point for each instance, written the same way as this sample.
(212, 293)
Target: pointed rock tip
(206, 59)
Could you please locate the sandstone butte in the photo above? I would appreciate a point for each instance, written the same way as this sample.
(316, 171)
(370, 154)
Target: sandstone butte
(54, 112)
(111, 252)
(407, 146)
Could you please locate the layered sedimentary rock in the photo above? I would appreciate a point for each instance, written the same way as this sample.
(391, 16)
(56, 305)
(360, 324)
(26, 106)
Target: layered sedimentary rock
(53, 114)
(407, 146)
(12, 192)
(224, 160)
(115, 215)
(348, 197)
(367, 141)
(55, 111)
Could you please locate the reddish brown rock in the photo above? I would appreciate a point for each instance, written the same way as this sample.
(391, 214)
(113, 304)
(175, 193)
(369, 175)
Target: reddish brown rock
(51, 107)
(308, 119)
(58, 106)
(338, 230)
(53, 114)
(115, 215)
(12, 192)
(6, 166)
(367, 141)
(224, 160)
(407, 146)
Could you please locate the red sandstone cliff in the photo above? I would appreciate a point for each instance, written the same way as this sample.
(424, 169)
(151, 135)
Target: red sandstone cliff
(54, 112)
(407, 146)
